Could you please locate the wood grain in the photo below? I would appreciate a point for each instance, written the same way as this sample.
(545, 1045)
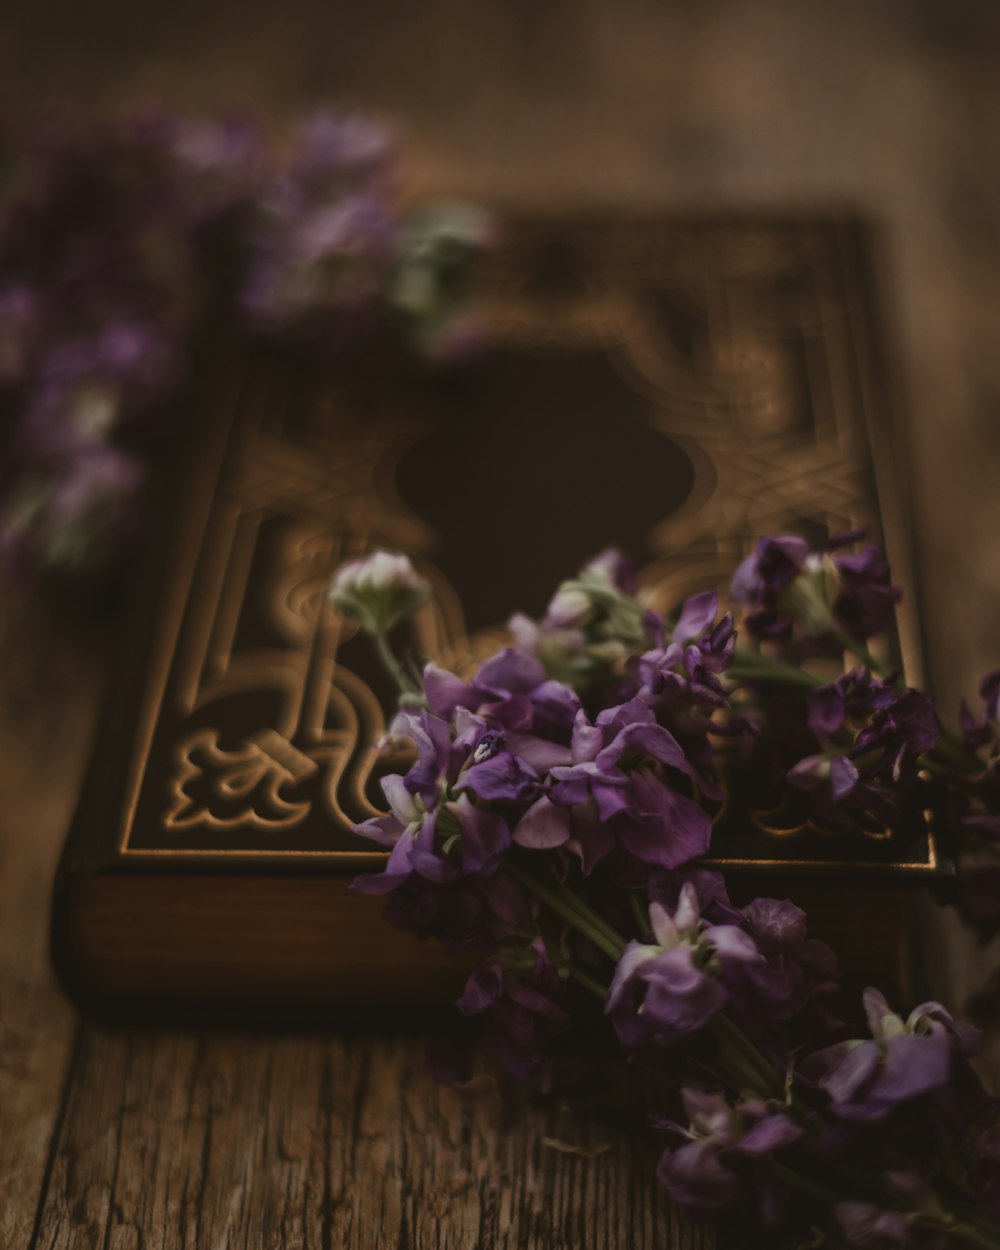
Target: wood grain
(212, 1142)
(37, 1025)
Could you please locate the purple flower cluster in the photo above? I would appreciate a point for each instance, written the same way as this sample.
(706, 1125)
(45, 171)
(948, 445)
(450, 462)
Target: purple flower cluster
(617, 784)
(872, 736)
(115, 245)
(895, 1107)
(322, 233)
(862, 751)
(510, 767)
(593, 624)
(511, 758)
(553, 813)
(524, 1011)
(786, 588)
(92, 315)
(727, 1152)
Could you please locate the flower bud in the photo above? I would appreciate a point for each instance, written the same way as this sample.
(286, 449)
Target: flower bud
(379, 591)
(809, 597)
(571, 606)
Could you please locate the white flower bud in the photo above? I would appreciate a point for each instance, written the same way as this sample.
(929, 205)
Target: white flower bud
(571, 606)
(379, 591)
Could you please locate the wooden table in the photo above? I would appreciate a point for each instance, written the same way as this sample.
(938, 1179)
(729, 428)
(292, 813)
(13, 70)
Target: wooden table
(203, 1140)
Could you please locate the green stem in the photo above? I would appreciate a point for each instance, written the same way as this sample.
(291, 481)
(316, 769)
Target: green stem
(745, 1060)
(392, 666)
(985, 1238)
(861, 652)
(975, 1228)
(588, 982)
(754, 666)
(951, 747)
(741, 1061)
(641, 917)
(750, 1057)
(574, 911)
(794, 1180)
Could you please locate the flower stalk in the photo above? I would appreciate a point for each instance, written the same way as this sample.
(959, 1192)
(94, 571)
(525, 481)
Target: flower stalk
(573, 778)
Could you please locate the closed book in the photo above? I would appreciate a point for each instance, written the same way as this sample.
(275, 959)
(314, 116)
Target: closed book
(678, 386)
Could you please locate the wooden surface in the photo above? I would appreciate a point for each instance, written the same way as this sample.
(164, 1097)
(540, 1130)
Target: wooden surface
(207, 1141)
(326, 1143)
(129, 1139)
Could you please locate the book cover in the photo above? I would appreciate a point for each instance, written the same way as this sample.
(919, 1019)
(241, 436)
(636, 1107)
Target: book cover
(678, 387)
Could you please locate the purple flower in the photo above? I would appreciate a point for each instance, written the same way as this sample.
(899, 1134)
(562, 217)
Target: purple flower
(977, 733)
(627, 764)
(448, 827)
(785, 585)
(868, 1080)
(873, 736)
(512, 691)
(866, 597)
(324, 234)
(120, 239)
(500, 778)
(699, 649)
(763, 577)
(680, 683)
(711, 895)
(796, 977)
(593, 624)
(523, 1009)
(75, 519)
(454, 839)
(724, 1157)
(666, 991)
(19, 314)
(89, 389)
(900, 732)
(867, 1225)
(328, 147)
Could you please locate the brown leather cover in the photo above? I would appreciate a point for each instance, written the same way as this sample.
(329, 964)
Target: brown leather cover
(676, 386)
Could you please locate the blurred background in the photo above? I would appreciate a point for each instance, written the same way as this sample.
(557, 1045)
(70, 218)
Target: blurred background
(886, 107)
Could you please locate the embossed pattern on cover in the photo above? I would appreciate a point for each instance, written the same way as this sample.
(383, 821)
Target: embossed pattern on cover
(677, 387)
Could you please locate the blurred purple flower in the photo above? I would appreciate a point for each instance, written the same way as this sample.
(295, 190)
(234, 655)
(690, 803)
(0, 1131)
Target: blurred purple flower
(977, 733)
(19, 314)
(523, 1009)
(866, 1225)
(724, 1157)
(785, 585)
(118, 241)
(74, 519)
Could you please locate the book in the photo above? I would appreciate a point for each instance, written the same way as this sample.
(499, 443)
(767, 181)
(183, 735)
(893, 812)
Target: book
(678, 386)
